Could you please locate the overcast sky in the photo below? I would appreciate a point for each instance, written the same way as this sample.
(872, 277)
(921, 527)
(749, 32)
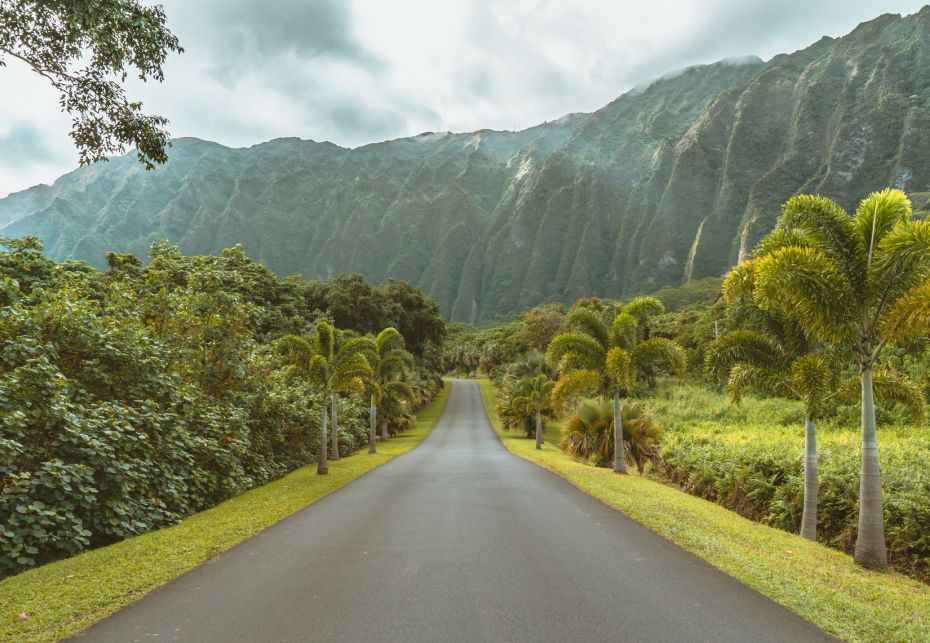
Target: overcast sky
(358, 71)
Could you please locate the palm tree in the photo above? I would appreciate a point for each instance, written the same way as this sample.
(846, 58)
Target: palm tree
(329, 365)
(752, 360)
(859, 283)
(605, 359)
(531, 396)
(529, 364)
(588, 433)
(391, 365)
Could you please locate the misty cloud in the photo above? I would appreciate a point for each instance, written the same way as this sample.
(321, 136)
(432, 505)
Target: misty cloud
(23, 144)
(359, 71)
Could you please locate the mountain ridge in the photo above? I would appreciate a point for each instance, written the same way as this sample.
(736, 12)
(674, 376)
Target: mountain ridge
(669, 182)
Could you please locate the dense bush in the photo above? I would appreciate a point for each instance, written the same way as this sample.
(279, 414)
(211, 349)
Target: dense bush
(749, 459)
(588, 433)
(131, 398)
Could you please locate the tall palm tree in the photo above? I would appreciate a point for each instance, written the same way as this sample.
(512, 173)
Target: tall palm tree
(330, 366)
(752, 360)
(858, 282)
(391, 366)
(593, 356)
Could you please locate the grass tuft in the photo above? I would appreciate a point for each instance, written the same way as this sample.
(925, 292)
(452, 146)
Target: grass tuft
(823, 585)
(67, 596)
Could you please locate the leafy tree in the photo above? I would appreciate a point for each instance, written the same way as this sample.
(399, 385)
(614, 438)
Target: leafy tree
(330, 365)
(593, 356)
(81, 47)
(415, 315)
(539, 325)
(856, 282)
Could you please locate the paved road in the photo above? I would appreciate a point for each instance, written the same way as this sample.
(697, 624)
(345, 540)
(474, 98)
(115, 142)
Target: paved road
(457, 540)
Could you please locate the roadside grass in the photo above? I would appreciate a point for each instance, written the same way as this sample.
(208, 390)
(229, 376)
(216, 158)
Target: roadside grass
(821, 584)
(67, 596)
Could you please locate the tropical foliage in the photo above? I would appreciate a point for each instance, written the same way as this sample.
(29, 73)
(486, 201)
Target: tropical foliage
(829, 311)
(857, 283)
(588, 434)
(133, 397)
(595, 357)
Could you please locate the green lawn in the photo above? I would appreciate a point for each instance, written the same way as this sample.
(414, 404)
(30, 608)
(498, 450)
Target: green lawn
(821, 584)
(67, 596)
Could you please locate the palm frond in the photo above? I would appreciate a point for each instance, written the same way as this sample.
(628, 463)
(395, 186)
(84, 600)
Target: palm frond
(880, 213)
(830, 228)
(295, 351)
(891, 386)
(746, 347)
(623, 330)
(740, 281)
(619, 368)
(812, 381)
(659, 354)
(909, 315)
(578, 349)
(779, 238)
(642, 308)
(575, 383)
(808, 285)
(902, 260)
(764, 381)
(587, 321)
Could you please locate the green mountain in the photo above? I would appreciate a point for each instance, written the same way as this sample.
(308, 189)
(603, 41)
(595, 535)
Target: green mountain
(668, 183)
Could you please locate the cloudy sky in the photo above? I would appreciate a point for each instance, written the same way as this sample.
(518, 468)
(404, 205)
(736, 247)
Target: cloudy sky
(357, 71)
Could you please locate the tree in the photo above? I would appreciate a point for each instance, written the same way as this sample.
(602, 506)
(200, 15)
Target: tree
(81, 48)
(752, 360)
(331, 366)
(415, 315)
(588, 433)
(539, 325)
(856, 282)
(532, 396)
(594, 357)
(391, 365)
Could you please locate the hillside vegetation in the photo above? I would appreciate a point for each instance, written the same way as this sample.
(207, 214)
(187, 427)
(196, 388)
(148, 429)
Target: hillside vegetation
(668, 183)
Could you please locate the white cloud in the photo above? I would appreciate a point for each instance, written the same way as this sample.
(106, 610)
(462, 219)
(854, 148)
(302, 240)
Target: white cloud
(367, 70)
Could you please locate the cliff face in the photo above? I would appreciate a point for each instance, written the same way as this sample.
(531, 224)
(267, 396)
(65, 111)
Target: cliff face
(665, 184)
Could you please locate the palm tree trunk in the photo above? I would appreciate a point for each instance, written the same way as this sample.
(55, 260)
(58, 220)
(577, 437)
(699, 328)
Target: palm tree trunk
(372, 421)
(335, 438)
(870, 543)
(539, 431)
(322, 466)
(384, 431)
(619, 450)
(809, 517)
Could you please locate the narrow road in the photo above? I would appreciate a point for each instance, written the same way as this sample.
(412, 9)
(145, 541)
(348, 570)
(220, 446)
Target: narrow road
(457, 540)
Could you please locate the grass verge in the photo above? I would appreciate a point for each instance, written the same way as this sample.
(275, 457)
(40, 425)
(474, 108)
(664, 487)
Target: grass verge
(66, 596)
(821, 584)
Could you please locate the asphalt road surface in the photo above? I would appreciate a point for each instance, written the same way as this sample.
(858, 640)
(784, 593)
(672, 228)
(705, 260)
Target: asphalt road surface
(458, 540)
